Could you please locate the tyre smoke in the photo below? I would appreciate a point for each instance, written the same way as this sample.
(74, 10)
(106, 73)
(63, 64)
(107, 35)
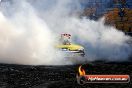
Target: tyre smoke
(29, 31)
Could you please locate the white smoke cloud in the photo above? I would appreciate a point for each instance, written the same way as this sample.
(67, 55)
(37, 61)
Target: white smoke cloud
(100, 41)
(26, 39)
(28, 33)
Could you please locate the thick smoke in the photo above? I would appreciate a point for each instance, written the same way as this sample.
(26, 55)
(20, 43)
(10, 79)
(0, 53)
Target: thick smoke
(101, 42)
(29, 33)
(25, 38)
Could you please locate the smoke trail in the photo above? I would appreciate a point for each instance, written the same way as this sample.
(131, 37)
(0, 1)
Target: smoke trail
(29, 30)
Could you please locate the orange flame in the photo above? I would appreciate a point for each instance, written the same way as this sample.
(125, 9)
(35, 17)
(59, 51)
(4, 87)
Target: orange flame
(81, 71)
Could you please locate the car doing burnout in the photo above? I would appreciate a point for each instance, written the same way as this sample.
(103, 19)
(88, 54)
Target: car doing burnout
(66, 46)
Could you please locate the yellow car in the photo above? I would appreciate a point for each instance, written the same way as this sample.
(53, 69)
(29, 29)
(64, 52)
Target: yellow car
(66, 46)
(72, 48)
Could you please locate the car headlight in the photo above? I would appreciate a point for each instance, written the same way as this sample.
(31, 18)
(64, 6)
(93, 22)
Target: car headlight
(81, 49)
(64, 49)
